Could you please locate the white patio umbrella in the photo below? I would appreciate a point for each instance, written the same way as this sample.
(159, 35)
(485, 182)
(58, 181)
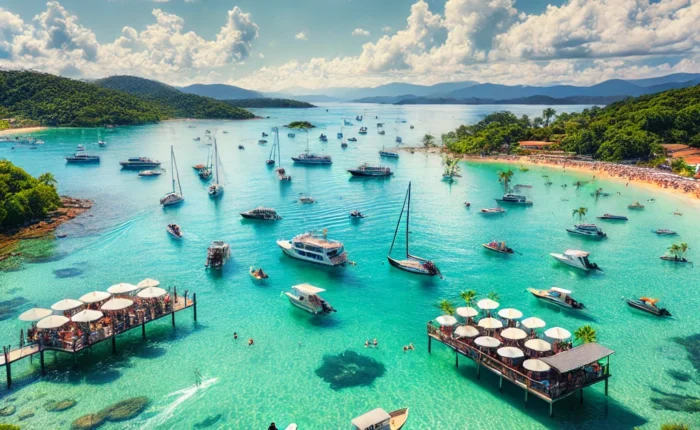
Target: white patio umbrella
(536, 365)
(151, 293)
(66, 305)
(510, 314)
(148, 282)
(53, 321)
(558, 333)
(446, 320)
(116, 304)
(513, 333)
(34, 314)
(467, 312)
(487, 342)
(538, 345)
(510, 352)
(466, 331)
(122, 288)
(86, 316)
(487, 304)
(490, 323)
(95, 296)
(533, 323)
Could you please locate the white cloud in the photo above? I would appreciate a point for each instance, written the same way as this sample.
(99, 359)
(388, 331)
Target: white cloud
(360, 32)
(261, 55)
(10, 26)
(160, 1)
(300, 36)
(386, 29)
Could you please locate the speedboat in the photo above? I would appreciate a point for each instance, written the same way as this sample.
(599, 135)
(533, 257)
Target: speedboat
(648, 305)
(674, 258)
(306, 199)
(323, 138)
(150, 173)
(101, 143)
(493, 211)
(611, 217)
(174, 230)
(366, 170)
(357, 214)
(499, 247)
(305, 297)
(577, 259)
(588, 230)
(515, 199)
(363, 130)
(218, 254)
(388, 154)
(557, 296)
(83, 158)
(352, 139)
(261, 213)
(636, 205)
(379, 419)
(258, 273)
(139, 163)
(262, 141)
(314, 248)
(665, 232)
(382, 132)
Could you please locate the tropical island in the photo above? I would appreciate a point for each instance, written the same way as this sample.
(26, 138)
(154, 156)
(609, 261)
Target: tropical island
(300, 125)
(269, 103)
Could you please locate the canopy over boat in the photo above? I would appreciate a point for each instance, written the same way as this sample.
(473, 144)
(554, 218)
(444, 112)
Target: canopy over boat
(576, 253)
(513, 333)
(510, 352)
(87, 315)
(487, 342)
(66, 305)
(35, 314)
(117, 304)
(122, 288)
(53, 321)
(558, 333)
(371, 419)
(308, 289)
(446, 320)
(466, 331)
(151, 293)
(510, 314)
(533, 323)
(487, 304)
(535, 365)
(95, 296)
(561, 290)
(467, 312)
(490, 323)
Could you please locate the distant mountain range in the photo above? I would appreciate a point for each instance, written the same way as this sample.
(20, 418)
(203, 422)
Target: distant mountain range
(221, 91)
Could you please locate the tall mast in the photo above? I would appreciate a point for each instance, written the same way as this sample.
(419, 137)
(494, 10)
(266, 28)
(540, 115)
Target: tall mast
(277, 141)
(216, 161)
(408, 216)
(177, 173)
(172, 169)
(398, 223)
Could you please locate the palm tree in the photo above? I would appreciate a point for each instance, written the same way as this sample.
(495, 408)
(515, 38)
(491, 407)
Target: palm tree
(505, 178)
(674, 249)
(446, 307)
(537, 122)
(468, 296)
(428, 141)
(493, 296)
(683, 247)
(585, 334)
(47, 179)
(581, 212)
(548, 114)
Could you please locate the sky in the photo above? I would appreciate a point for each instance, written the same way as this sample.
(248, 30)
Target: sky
(273, 45)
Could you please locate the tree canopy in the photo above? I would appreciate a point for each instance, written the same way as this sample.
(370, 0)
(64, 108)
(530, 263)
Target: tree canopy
(23, 197)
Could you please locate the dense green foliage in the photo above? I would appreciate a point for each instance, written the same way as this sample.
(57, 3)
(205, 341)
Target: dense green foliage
(24, 198)
(53, 101)
(268, 103)
(628, 129)
(300, 125)
(174, 102)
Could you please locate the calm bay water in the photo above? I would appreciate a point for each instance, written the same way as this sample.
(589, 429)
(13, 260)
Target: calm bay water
(124, 240)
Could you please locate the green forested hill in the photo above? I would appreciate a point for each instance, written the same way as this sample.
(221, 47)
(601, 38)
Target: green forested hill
(268, 103)
(176, 103)
(24, 198)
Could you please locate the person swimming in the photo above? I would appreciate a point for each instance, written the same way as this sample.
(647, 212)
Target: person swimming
(250, 342)
(235, 335)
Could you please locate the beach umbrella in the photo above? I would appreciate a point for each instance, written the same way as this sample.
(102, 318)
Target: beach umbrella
(535, 365)
(52, 321)
(510, 352)
(122, 288)
(66, 305)
(95, 296)
(487, 342)
(513, 333)
(151, 293)
(35, 314)
(487, 304)
(558, 333)
(490, 323)
(86, 316)
(533, 323)
(466, 331)
(538, 345)
(117, 304)
(148, 282)
(446, 320)
(467, 312)
(510, 314)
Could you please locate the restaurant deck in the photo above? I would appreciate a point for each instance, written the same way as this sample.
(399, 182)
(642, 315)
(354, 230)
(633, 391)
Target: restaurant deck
(12, 355)
(574, 359)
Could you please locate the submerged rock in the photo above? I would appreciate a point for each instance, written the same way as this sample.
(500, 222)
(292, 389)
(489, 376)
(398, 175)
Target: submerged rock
(68, 272)
(675, 402)
(349, 369)
(208, 422)
(88, 422)
(27, 413)
(59, 406)
(7, 411)
(679, 375)
(126, 409)
(692, 345)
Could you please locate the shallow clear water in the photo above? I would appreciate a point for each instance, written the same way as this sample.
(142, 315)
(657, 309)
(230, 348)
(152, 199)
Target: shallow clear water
(123, 239)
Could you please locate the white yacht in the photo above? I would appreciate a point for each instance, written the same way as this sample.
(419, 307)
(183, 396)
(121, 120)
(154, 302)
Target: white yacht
(577, 259)
(315, 249)
(515, 199)
(173, 197)
(216, 189)
(589, 230)
(306, 297)
(557, 296)
(218, 254)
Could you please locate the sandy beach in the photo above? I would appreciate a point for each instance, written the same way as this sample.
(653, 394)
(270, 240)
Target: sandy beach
(22, 130)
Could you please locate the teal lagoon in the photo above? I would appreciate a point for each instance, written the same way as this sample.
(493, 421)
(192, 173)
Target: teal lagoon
(123, 239)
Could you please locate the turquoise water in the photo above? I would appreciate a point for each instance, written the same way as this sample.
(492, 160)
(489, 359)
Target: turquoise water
(123, 239)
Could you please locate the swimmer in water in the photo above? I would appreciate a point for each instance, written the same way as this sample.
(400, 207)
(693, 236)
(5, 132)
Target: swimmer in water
(250, 342)
(235, 335)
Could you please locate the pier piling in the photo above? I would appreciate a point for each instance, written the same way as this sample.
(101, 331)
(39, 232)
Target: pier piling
(114, 343)
(143, 330)
(429, 343)
(456, 359)
(173, 319)
(194, 306)
(41, 359)
(551, 409)
(500, 384)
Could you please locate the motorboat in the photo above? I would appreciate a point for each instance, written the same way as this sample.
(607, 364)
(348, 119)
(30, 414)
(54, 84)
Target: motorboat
(173, 197)
(665, 232)
(648, 305)
(343, 144)
(358, 118)
(282, 174)
(588, 230)
(499, 247)
(197, 139)
(291, 135)
(139, 163)
(399, 140)
(174, 230)
(150, 173)
(352, 139)
(310, 158)
(101, 143)
(80, 148)
(306, 200)
(379, 419)
(323, 138)
(241, 147)
(363, 130)
(557, 296)
(577, 259)
(388, 154)
(611, 217)
(82, 158)
(357, 214)
(262, 142)
(366, 170)
(306, 297)
(636, 205)
(382, 132)
(258, 274)
(674, 258)
(490, 211)
(315, 248)
(261, 213)
(264, 134)
(515, 199)
(218, 254)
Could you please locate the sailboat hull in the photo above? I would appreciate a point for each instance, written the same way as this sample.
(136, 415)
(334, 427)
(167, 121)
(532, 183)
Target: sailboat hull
(411, 266)
(171, 199)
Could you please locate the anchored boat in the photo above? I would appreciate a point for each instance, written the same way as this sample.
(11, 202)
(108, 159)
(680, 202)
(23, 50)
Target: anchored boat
(490, 211)
(648, 305)
(218, 254)
(577, 259)
(315, 248)
(611, 217)
(499, 247)
(261, 213)
(557, 296)
(665, 232)
(139, 163)
(588, 230)
(514, 199)
(365, 170)
(173, 198)
(82, 158)
(379, 419)
(216, 189)
(305, 297)
(174, 230)
(636, 205)
(311, 158)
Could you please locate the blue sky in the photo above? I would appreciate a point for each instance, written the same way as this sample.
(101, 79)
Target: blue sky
(273, 44)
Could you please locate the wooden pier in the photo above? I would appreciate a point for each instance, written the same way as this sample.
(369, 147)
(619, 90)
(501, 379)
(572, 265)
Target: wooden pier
(13, 355)
(549, 393)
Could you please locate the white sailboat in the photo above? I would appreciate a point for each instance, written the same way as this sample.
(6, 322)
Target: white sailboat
(216, 189)
(173, 197)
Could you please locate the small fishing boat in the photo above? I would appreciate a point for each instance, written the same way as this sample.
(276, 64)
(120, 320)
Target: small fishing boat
(218, 254)
(557, 296)
(173, 197)
(323, 138)
(101, 143)
(665, 232)
(306, 199)
(197, 139)
(365, 170)
(258, 273)
(261, 213)
(241, 147)
(577, 259)
(174, 230)
(399, 140)
(514, 199)
(262, 142)
(587, 230)
(674, 258)
(352, 139)
(491, 211)
(382, 132)
(315, 248)
(388, 154)
(82, 158)
(499, 247)
(379, 419)
(357, 214)
(306, 297)
(648, 305)
(264, 134)
(291, 135)
(636, 205)
(363, 130)
(611, 217)
(339, 135)
(150, 173)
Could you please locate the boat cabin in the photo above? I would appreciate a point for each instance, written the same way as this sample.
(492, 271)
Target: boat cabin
(376, 419)
(581, 257)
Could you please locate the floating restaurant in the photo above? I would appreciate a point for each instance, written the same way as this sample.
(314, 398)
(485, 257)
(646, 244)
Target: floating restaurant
(72, 326)
(551, 372)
